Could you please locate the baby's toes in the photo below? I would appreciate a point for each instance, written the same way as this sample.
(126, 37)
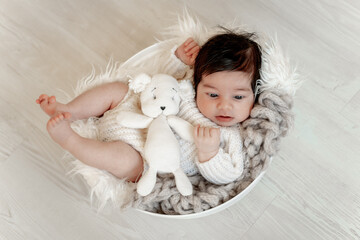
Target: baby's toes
(67, 115)
(51, 123)
(42, 98)
(59, 118)
(52, 99)
(55, 120)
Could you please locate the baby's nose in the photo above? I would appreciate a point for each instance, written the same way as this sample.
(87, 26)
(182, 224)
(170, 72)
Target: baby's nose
(224, 105)
(162, 108)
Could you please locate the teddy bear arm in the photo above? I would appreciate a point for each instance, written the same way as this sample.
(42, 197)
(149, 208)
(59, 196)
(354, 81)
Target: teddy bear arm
(133, 120)
(183, 128)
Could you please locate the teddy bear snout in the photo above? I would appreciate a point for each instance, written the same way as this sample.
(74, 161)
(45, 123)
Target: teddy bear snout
(162, 108)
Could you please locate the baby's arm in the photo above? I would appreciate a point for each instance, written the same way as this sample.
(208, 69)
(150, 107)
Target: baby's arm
(188, 51)
(181, 59)
(227, 164)
(207, 141)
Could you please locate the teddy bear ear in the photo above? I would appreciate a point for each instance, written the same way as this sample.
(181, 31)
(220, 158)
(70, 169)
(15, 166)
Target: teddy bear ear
(138, 83)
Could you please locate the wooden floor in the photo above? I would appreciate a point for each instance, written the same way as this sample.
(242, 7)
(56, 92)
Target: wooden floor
(312, 189)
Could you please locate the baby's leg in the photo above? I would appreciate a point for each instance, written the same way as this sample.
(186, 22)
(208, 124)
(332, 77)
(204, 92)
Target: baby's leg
(118, 158)
(93, 102)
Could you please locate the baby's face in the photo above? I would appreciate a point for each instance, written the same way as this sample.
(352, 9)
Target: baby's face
(225, 97)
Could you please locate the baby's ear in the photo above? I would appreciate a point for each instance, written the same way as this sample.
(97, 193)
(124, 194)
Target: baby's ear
(139, 83)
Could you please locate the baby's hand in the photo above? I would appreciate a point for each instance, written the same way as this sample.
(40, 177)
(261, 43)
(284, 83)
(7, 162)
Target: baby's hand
(188, 51)
(207, 141)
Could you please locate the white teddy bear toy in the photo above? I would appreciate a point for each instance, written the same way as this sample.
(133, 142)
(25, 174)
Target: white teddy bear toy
(160, 101)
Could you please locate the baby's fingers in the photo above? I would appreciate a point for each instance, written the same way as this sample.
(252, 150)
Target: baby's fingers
(193, 50)
(206, 132)
(196, 131)
(193, 57)
(190, 46)
(188, 41)
(199, 132)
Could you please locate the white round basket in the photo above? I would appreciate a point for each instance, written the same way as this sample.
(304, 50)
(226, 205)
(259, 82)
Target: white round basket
(136, 60)
(216, 209)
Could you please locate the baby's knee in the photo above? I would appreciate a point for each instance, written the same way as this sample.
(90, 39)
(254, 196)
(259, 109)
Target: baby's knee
(118, 91)
(137, 168)
(130, 165)
(119, 87)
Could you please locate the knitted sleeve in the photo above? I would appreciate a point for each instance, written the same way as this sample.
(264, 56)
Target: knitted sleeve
(227, 165)
(175, 67)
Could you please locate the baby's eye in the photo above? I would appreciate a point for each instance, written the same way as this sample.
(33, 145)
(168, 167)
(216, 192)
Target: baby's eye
(154, 97)
(213, 95)
(238, 97)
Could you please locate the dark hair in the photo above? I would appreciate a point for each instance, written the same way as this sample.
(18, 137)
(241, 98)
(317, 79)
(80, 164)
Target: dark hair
(229, 51)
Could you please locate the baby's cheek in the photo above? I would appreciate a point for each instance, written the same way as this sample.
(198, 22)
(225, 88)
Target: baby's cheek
(246, 111)
(203, 106)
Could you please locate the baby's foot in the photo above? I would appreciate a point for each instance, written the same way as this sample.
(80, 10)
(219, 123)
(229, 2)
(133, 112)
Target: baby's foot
(48, 104)
(59, 129)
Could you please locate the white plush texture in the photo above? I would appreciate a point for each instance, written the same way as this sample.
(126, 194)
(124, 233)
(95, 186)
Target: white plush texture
(276, 70)
(159, 100)
(139, 83)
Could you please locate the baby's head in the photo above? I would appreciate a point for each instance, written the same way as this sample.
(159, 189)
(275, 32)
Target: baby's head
(225, 74)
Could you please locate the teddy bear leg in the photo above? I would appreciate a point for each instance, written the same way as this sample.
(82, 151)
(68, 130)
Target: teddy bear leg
(183, 183)
(147, 182)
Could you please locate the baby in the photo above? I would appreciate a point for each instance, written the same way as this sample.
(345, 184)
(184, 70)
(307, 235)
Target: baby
(226, 68)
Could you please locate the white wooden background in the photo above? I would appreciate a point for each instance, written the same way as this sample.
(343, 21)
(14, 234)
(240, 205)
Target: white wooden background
(312, 189)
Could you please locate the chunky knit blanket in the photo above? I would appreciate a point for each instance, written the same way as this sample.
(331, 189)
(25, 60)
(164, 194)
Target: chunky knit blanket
(270, 120)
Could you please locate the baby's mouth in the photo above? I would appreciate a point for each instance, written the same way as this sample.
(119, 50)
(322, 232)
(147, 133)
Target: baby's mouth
(224, 118)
